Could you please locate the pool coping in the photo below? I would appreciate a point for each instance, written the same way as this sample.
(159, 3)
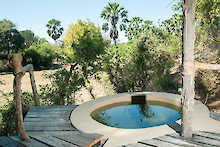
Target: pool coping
(82, 120)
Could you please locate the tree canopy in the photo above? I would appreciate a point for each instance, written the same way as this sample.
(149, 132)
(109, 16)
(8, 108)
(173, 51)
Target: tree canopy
(83, 41)
(54, 29)
(115, 15)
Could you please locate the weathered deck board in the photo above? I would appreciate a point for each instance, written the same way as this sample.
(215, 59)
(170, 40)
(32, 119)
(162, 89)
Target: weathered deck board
(157, 142)
(53, 141)
(137, 145)
(51, 126)
(48, 124)
(79, 139)
(45, 119)
(7, 142)
(200, 139)
(31, 143)
(175, 141)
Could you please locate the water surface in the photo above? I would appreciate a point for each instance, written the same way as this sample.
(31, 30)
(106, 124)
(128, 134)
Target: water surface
(135, 116)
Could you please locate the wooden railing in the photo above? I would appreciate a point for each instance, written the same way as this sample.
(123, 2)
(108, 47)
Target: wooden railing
(15, 63)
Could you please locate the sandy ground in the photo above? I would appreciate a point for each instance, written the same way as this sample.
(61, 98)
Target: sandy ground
(99, 88)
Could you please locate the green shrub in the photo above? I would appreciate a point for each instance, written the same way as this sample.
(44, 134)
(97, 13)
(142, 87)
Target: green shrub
(136, 66)
(62, 87)
(7, 114)
(40, 55)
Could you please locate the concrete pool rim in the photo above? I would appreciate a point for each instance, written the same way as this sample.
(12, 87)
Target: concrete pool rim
(81, 116)
(82, 120)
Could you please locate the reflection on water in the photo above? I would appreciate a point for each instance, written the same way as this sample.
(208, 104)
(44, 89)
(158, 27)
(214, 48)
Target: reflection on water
(135, 116)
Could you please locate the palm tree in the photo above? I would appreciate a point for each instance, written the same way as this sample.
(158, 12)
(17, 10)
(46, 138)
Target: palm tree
(114, 14)
(54, 29)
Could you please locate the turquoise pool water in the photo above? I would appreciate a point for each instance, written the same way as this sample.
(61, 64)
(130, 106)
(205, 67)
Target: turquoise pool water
(135, 116)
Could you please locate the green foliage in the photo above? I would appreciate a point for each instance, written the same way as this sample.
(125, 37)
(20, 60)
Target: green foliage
(6, 25)
(136, 66)
(7, 114)
(83, 42)
(54, 29)
(11, 41)
(29, 38)
(136, 27)
(41, 56)
(83, 45)
(62, 88)
(114, 15)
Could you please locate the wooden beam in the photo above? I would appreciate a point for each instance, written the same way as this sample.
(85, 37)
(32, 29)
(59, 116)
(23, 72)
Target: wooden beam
(188, 67)
(205, 66)
(29, 68)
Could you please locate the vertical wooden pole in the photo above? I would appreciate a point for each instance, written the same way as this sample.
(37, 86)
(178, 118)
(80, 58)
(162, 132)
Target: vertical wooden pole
(18, 106)
(18, 72)
(188, 67)
(34, 87)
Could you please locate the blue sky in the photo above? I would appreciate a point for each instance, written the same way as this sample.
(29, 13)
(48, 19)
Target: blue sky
(34, 14)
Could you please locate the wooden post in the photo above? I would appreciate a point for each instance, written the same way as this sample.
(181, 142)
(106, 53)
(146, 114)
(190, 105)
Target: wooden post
(16, 61)
(188, 67)
(30, 68)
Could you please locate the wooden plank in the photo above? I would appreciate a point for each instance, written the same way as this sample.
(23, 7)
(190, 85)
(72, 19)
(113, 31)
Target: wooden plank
(189, 140)
(48, 124)
(53, 128)
(7, 142)
(176, 141)
(52, 115)
(51, 133)
(156, 142)
(136, 145)
(208, 135)
(33, 119)
(31, 143)
(205, 140)
(50, 108)
(52, 141)
(58, 113)
(81, 139)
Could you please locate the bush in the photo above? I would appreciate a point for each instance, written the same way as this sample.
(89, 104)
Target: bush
(7, 114)
(135, 66)
(40, 55)
(61, 88)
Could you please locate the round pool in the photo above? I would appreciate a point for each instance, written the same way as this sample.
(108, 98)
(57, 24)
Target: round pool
(136, 116)
(81, 117)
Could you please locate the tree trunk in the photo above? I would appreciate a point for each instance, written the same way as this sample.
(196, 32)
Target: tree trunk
(188, 67)
(115, 43)
(18, 106)
(16, 60)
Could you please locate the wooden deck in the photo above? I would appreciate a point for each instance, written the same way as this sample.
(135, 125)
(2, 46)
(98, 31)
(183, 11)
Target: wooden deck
(200, 139)
(50, 126)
